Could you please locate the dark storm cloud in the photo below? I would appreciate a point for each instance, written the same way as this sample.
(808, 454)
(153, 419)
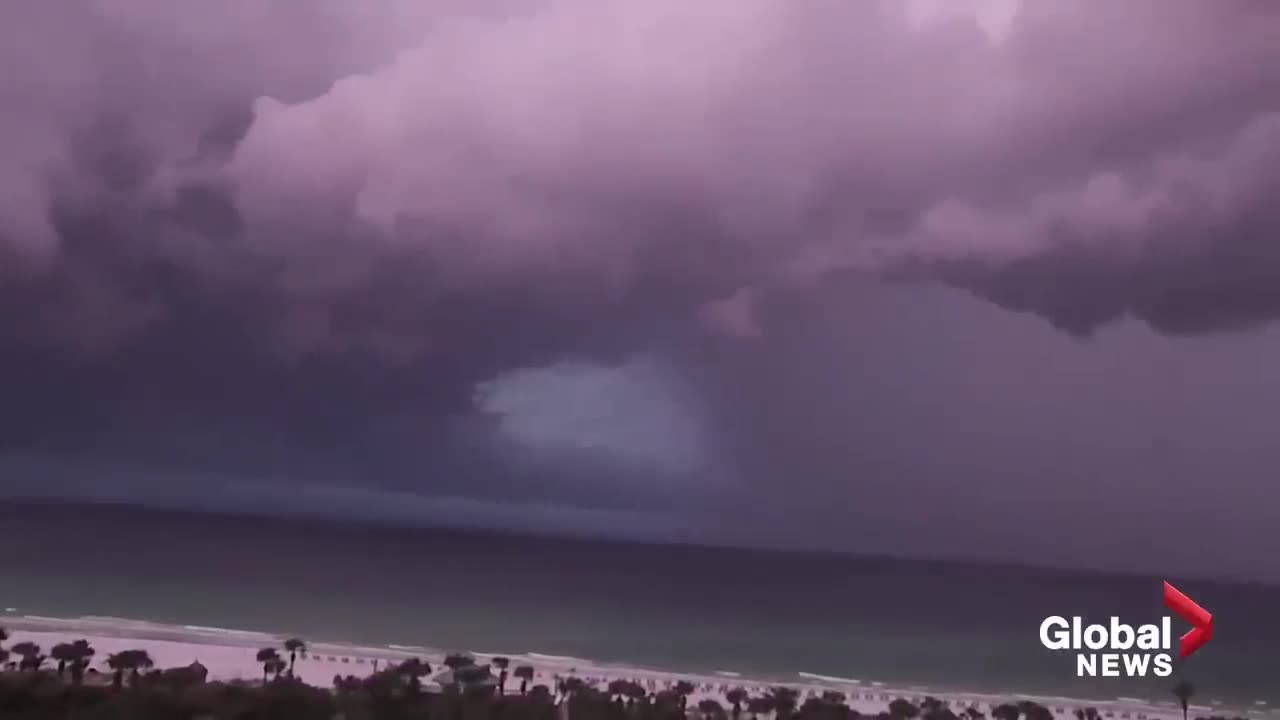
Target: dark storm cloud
(289, 240)
(400, 167)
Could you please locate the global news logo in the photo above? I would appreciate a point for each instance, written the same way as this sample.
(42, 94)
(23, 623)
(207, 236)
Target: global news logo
(1130, 651)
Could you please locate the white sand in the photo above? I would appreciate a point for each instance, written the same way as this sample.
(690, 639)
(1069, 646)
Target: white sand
(230, 655)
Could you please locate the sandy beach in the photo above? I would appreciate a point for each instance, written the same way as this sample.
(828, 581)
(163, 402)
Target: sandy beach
(229, 655)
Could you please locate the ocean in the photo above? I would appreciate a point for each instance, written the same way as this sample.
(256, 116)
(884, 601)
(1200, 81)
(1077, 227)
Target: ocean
(772, 615)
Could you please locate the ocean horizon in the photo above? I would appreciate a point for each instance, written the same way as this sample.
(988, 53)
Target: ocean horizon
(779, 615)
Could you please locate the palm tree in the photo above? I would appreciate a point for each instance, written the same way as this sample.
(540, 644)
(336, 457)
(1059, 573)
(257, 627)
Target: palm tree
(472, 681)
(784, 701)
(931, 708)
(634, 693)
(683, 690)
(276, 667)
(456, 662)
(525, 673)
(757, 706)
(30, 654)
(346, 684)
(473, 674)
(4, 657)
(813, 707)
(413, 670)
(617, 691)
(293, 646)
(453, 661)
(138, 660)
(268, 658)
(624, 692)
(1183, 691)
(34, 662)
(83, 652)
(502, 664)
(1005, 711)
(572, 686)
(1034, 710)
(710, 709)
(116, 663)
(904, 709)
(835, 705)
(736, 697)
(131, 660)
(63, 653)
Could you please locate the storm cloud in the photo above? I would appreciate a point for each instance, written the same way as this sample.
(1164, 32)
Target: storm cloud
(348, 177)
(379, 236)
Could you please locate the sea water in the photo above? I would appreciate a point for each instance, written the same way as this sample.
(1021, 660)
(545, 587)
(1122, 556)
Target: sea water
(777, 616)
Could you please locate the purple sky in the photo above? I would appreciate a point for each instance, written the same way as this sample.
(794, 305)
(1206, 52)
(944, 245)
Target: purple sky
(983, 278)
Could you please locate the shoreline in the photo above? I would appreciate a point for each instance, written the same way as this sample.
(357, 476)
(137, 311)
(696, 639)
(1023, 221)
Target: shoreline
(229, 655)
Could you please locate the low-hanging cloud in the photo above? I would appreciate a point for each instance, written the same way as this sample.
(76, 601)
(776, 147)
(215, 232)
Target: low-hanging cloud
(403, 165)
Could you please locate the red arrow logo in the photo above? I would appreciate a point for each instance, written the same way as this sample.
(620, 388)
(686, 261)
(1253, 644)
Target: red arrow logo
(1199, 618)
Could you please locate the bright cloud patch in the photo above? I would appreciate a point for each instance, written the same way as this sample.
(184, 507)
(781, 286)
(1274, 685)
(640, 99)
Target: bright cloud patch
(633, 413)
